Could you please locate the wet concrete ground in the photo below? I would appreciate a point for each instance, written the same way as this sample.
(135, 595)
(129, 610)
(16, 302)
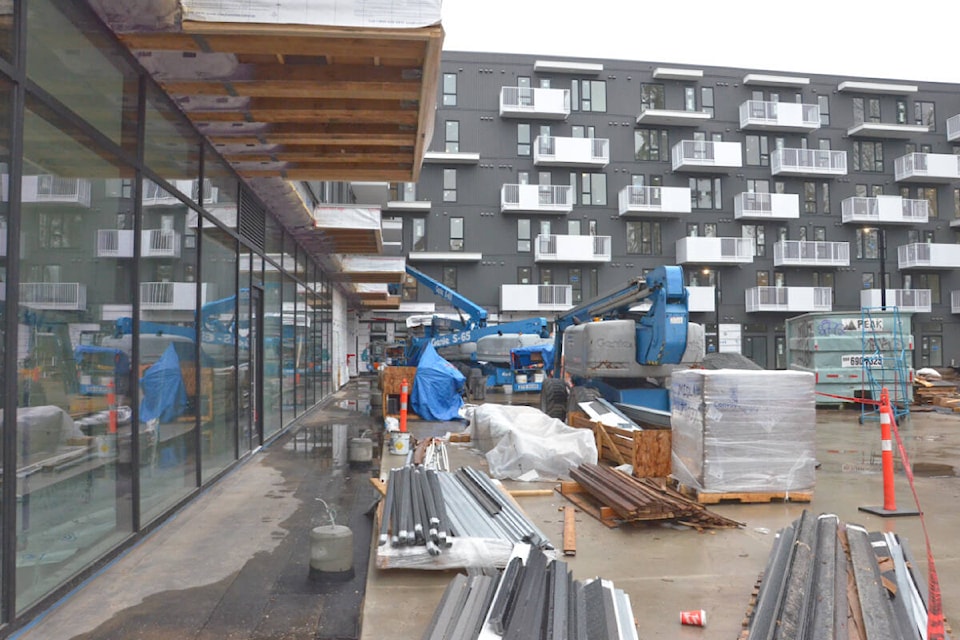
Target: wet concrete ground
(234, 563)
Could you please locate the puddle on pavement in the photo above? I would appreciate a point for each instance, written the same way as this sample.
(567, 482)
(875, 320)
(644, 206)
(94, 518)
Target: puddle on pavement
(934, 470)
(360, 405)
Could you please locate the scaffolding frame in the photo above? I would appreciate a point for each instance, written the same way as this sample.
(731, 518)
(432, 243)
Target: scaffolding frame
(884, 356)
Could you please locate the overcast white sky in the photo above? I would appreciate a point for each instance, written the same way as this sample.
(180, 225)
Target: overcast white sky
(908, 41)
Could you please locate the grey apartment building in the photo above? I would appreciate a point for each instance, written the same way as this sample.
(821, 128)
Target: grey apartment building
(549, 181)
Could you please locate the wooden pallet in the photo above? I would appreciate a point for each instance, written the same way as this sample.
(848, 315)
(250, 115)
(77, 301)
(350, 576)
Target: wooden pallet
(576, 494)
(712, 497)
(647, 450)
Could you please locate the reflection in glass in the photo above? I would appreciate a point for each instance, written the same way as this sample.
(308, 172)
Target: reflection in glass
(73, 423)
(272, 358)
(6, 29)
(4, 213)
(171, 147)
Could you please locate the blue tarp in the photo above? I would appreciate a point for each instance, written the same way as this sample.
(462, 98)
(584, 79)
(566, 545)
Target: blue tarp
(164, 395)
(523, 357)
(436, 388)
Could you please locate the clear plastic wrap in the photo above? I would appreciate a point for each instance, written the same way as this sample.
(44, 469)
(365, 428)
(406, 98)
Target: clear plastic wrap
(518, 440)
(480, 553)
(743, 431)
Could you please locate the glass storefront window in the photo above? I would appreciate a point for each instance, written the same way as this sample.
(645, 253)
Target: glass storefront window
(272, 356)
(220, 190)
(5, 97)
(74, 451)
(6, 30)
(171, 148)
(70, 56)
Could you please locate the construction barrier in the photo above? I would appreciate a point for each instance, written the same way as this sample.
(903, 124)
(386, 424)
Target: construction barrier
(404, 395)
(112, 406)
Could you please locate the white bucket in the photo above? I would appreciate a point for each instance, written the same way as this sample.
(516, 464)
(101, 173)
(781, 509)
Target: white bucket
(106, 445)
(521, 378)
(399, 443)
(538, 377)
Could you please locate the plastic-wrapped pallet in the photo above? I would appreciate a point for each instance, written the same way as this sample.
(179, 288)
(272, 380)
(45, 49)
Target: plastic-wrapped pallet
(743, 431)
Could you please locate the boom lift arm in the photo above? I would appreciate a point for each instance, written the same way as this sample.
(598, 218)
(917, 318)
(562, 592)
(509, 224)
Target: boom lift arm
(472, 315)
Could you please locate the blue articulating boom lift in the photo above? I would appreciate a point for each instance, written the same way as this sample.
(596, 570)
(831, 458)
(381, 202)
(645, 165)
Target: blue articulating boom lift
(471, 326)
(604, 349)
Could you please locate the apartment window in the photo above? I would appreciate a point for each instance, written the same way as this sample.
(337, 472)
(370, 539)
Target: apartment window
(866, 280)
(450, 277)
(868, 156)
(913, 236)
(643, 238)
(524, 275)
(651, 97)
(693, 230)
(523, 235)
(923, 193)
(758, 186)
(593, 189)
(689, 99)
(452, 136)
(867, 244)
(523, 139)
(758, 151)
(924, 113)
(709, 229)
(819, 234)
(930, 281)
(824, 104)
(901, 111)
(956, 203)
(449, 89)
(573, 227)
(651, 144)
(419, 234)
(409, 291)
(706, 100)
(803, 234)
(866, 110)
(763, 278)
(588, 95)
(576, 284)
(825, 279)
(406, 192)
(546, 275)
(60, 230)
(816, 197)
(456, 234)
(449, 185)
(756, 233)
(705, 193)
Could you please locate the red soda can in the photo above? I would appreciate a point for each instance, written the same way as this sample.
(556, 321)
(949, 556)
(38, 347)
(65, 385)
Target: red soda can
(696, 618)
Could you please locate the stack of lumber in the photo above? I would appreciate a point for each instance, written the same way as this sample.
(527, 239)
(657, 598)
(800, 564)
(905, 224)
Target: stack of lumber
(940, 393)
(646, 450)
(615, 497)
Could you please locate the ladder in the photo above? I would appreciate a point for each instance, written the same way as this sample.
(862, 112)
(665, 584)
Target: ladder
(884, 361)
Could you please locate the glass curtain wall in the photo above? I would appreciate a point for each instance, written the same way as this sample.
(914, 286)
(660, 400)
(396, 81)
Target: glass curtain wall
(272, 354)
(5, 131)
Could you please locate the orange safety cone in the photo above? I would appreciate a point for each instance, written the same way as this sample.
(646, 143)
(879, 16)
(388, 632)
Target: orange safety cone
(887, 423)
(112, 406)
(404, 392)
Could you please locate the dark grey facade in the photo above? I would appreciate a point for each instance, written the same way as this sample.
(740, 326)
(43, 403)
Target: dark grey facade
(886, 130)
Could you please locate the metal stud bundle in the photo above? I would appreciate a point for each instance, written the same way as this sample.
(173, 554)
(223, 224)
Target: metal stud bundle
(415, 511)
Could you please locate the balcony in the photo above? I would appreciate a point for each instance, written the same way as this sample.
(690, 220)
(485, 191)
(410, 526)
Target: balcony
(811, 253)
(927, 167)
(370, 193)
(808, 162)
(925, 255)
(54, 296)
(766, 206)
(884, 210)
(551, 151)
(399, 206)
(953, 128)
(451, 157)
(906, 300)
(536, 198)
(535, 297)
(154, 243)
(761, 115)
(789, 299)
(50, 189)
(171, 296)
(698, 250)
(444, 256)
(536, 103)
(567, 248)
(886, 130)
(636, 199)
(672, 117)
(701, 299)
(707, 156)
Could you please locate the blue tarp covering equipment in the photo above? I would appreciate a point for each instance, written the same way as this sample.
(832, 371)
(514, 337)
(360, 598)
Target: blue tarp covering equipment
(436, 388)
(164, 394)
(533, 356)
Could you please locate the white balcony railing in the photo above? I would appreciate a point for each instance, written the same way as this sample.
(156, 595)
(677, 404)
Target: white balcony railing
(791, 299)
(173, 296)
(808, 162)
(884, 210)
(54, 296)
(929, 256)
(154, 243)
(705, 155)
(554, 151)
(927, 167)
(569, 248)
(699, 250)
(50, 189)
(811, 253)
(637, 199)
(536, 198)
(531, 102)
(536, 297)
(953, 128)
(763, 115)
(766, 206)
(907, 300)
(701, 299)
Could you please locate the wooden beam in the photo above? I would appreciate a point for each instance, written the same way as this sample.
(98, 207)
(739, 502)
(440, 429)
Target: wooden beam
(306, 116)
(317, 138)
(336, 174)
(296, 89)
(428, 99)
(569, 531)
(327, 157)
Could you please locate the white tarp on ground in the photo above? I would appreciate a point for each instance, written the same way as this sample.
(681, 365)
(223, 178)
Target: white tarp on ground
(523, 443)
(382, 14)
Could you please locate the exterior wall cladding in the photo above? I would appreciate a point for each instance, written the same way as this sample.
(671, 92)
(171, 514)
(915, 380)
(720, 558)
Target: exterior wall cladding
(890, 107)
